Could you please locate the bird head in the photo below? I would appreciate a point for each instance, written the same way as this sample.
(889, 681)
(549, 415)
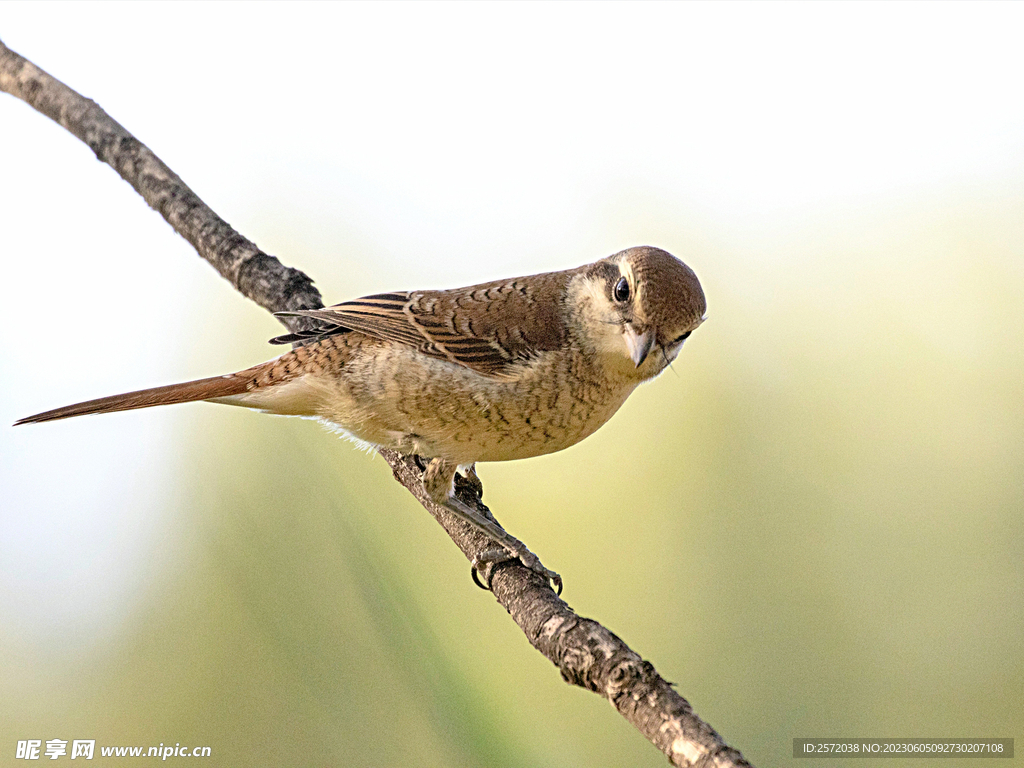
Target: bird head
(638, 307)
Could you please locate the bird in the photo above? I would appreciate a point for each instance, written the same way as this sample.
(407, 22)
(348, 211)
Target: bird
(499, 371)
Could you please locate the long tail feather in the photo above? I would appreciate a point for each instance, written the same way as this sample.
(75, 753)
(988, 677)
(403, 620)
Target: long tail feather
(189, 391)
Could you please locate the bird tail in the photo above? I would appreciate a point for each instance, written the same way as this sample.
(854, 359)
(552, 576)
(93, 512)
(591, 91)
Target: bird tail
(187, 392)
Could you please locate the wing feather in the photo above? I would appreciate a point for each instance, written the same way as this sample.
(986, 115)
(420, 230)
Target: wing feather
(488, 328)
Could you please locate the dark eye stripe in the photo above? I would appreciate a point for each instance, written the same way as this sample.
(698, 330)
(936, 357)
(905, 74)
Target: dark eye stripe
(682, 338)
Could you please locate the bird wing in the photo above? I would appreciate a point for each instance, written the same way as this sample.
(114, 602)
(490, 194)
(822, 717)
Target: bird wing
(487, 327)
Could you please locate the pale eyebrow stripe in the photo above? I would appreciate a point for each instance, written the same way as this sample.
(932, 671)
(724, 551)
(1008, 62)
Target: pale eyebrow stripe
(626, 270)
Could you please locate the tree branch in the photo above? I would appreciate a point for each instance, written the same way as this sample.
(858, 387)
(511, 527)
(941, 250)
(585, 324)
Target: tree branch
(255, 274)
(587, 654)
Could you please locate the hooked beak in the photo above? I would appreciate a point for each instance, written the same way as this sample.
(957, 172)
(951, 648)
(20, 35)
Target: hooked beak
(639, 344)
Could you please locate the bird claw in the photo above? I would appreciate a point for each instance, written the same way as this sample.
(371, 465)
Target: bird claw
(484, 563)
(438, 481)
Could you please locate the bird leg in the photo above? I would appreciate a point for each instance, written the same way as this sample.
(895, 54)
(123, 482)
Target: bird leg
(471, 478)
(438, 482)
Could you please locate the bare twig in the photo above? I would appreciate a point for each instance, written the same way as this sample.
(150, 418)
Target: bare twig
(255, 274)
(586, 653)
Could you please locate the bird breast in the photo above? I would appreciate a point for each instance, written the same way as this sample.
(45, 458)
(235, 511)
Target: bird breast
(390, 395)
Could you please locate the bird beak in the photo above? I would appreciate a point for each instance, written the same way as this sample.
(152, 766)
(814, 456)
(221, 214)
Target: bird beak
(639, 344)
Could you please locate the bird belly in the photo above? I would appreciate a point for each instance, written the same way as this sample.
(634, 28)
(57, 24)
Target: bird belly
(401, 399)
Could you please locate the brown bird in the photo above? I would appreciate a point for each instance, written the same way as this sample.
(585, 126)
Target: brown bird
(493, 372)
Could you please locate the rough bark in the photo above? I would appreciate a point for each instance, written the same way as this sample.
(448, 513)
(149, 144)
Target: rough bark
(586, 653)
(256, 275)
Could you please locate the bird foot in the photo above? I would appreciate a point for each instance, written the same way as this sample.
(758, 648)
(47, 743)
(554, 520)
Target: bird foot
(485, 562)
(438, 483)
(467, 476)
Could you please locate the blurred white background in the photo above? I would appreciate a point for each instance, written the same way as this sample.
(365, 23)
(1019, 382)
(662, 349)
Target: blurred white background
(846, 179)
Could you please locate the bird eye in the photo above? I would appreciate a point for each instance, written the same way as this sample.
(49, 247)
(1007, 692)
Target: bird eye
(621, 292)
(682, 338)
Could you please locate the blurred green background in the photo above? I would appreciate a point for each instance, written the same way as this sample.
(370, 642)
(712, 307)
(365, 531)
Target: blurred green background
(812, 523)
